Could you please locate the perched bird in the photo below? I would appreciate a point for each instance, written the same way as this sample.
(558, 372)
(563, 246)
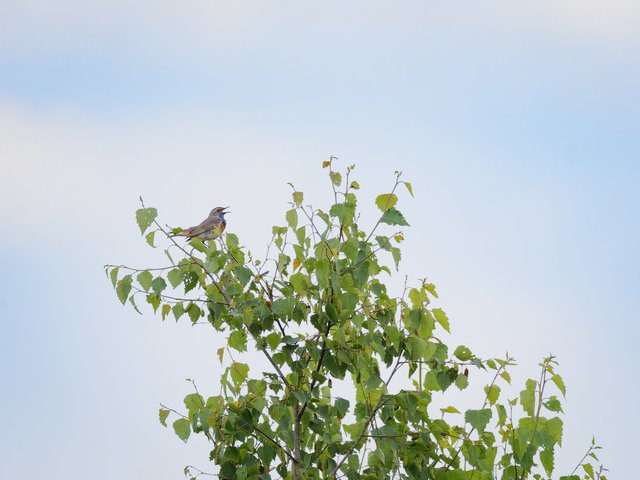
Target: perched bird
(210, 229)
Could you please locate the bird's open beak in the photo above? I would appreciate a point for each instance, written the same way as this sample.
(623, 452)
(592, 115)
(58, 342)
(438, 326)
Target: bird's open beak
(225, 208)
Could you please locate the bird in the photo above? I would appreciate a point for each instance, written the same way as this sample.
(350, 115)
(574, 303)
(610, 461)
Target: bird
(210, 228)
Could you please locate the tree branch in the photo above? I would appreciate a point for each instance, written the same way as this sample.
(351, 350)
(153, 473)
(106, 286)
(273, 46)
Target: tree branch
(381, 402)
(318, 367)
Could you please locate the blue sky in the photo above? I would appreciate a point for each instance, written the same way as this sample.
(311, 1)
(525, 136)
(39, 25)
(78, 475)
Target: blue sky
(516, 123)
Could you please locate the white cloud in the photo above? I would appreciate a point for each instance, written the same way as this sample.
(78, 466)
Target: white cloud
(202, 29)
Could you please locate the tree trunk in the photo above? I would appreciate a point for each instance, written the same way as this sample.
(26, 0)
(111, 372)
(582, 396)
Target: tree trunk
(297, 470)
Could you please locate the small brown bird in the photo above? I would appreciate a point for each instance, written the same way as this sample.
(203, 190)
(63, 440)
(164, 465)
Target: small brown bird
(210, 229)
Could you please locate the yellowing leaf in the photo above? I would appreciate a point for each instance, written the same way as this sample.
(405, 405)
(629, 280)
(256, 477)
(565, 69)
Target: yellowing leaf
(326, 163)
(557, 379)
(441, 318)
(296, 263)
(408, 185)
(449, 409)
(386, 201)
(163, 414)
(336, 178)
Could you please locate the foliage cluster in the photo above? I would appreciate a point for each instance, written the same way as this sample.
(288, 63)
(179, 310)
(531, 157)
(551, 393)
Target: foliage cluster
(318, 307)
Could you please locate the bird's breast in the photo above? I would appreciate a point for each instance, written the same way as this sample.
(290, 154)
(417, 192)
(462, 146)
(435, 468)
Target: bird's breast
(219, 228)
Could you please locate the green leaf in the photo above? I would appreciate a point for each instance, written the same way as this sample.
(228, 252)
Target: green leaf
(493, 393)
(431, 288)
(163, 414)
(175, 277)
(588, 468)
(462, 382)
(395, 253)
(343, 211)
(232, 241)
(342, 406)
(278, 230)
(149, 237)
(144, 279)
(455, 474)
(292, 218)
(416, 347)
(194, 312)
(393, 217)
(299, 281)
(178, 310)
(273, 340)
(238, 340)
(446, 378)
(331, 312)
(298, 198)
(554, 429)
(350, 248)
(502, 414)
(239, 373)
(154, 300)
(190, 280)
(546, 458)
(182, 428)
(123, 288)
(441, 318)
(158, 285)
(336, 178)
(386, 201)
(553, 404)
(193, 402)
(355, 185)
(114, 276)
(166, 309)
(300, 235)
(463, 353)
(283, 307)
(384, 243)
(417, 297)
(478, 419)
(557, 379)
(145, 217)
(409, 187)
(243, 274)
(527, 397)
(133, 302)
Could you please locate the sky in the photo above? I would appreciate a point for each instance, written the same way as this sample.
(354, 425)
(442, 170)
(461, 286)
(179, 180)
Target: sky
(516, 122)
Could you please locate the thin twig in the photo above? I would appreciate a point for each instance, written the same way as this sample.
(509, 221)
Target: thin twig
(381, 402)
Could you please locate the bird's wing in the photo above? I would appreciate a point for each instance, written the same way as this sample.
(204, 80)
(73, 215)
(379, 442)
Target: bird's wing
(205, 226)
